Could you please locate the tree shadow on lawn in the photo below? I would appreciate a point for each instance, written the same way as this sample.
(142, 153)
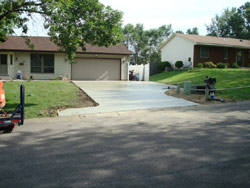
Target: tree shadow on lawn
(129, 155)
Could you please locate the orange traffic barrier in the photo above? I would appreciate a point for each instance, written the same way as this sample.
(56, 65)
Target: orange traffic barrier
(2, 96)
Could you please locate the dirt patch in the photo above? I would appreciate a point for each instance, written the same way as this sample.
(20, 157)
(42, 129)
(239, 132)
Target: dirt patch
(83, 101)
(197, 98)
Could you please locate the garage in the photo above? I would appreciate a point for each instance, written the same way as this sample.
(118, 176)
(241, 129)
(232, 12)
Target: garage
(96, 69)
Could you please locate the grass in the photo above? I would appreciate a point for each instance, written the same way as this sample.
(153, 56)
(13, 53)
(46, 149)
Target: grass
(226, 78)
(42, 98)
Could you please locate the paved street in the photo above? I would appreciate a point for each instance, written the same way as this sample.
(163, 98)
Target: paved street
(113, 96)
(198, 146)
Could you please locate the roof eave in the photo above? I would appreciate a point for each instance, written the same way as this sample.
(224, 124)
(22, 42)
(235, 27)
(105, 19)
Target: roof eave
(53, 51)
(167, 41)
(222, 45)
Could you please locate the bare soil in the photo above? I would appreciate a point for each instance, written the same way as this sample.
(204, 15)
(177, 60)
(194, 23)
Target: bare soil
(83, 101)
(197, 98)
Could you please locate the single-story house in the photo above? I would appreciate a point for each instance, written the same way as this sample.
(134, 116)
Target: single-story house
(44, 61)
(195, 49)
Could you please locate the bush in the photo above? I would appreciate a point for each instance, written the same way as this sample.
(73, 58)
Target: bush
(249, 65)
(200, 65)
(162, 65)
(179, 64)
(167, 64)
(235, 65)
(221, 65)
(209, 64)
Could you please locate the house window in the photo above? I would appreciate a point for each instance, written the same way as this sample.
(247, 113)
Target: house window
(204, 52)
(3, 59)
(225, 53)
(42, 63)
(3, 64)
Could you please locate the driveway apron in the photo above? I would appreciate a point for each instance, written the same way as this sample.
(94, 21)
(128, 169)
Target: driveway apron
(115, 96)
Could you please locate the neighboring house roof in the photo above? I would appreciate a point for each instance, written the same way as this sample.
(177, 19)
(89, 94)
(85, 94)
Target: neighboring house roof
(212, 41)
(43, 44)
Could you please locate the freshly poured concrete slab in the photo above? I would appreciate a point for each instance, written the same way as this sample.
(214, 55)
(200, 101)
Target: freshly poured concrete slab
(115, 96)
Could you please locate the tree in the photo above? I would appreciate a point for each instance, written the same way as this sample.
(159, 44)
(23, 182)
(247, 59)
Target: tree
(71, 23)
(136, 40)
(193, 31)
(145, 43)
(219, 25)
(179, 31)
(240, 22)
(232, 22)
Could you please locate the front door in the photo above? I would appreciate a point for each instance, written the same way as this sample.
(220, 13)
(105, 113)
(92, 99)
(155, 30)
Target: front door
(239, 57)
(3, 64)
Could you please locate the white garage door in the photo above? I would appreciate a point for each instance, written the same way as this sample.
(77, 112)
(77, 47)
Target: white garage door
(96, 69)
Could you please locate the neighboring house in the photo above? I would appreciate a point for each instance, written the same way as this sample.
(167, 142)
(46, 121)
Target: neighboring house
(194, 49)
(46, 62)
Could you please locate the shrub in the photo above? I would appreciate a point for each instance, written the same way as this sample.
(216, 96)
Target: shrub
(221, 65)
(167, 64)
(235, 65)
(162, 65)
(179, 64)
(200, 65)
(249, 65)
(209, 64)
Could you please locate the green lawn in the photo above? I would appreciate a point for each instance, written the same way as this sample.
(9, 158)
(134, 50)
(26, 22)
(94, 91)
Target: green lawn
(226, 78)
(42, 98)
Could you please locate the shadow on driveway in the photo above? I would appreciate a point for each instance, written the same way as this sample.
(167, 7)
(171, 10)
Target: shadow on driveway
(157, 153)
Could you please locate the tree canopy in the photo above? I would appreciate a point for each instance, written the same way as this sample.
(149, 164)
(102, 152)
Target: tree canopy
(179, 31)
(193, 31)
(71, 23)
(145, 43)
(234, 22)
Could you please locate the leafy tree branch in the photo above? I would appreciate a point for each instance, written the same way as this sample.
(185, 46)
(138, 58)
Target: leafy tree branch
(71, 23)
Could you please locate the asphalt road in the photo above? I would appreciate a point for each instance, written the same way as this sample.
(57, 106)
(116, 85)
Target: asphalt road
(201, 146)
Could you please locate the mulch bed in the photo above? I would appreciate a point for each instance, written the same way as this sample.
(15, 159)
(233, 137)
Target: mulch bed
(197, 98)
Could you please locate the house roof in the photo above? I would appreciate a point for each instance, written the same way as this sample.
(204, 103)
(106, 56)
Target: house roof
(213, 41)
(43, 44)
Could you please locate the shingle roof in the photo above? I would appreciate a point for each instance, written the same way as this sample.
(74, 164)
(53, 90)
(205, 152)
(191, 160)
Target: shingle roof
(211, 40)
(217, 40)
(43, 44)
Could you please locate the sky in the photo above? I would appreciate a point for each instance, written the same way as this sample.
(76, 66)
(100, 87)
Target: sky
(181, 14)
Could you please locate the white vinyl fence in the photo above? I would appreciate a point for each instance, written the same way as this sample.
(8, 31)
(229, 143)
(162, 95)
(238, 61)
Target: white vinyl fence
(142, 71)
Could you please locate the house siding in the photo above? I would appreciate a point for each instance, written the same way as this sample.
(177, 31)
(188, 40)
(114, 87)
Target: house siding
(178, 49)
(21, 61)
(124, 69)
(216, 54)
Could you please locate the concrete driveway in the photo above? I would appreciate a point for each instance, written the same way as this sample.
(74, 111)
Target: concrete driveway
(123, 96)
(187, 147)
